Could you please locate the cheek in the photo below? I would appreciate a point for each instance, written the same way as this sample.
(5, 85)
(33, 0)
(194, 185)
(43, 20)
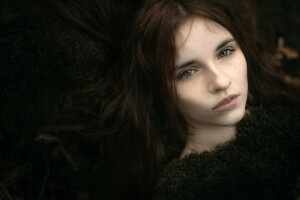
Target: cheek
(239, 70)
(240, 78)
(191, 96)
(243, 72)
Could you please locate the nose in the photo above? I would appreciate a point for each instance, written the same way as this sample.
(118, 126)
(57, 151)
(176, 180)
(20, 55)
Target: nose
(218, 81)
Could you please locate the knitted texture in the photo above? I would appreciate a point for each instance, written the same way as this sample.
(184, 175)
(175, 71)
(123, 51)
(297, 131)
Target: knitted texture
(261, 163)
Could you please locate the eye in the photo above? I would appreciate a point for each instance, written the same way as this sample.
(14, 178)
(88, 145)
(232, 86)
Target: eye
(187, 73)
(225, 52)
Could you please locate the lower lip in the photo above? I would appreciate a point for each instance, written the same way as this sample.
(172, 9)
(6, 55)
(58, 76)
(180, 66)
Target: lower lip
(229, 105)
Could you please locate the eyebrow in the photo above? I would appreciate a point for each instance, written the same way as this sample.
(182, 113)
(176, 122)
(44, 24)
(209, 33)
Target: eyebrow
(224, 43)
(185, 64)
(220, 46)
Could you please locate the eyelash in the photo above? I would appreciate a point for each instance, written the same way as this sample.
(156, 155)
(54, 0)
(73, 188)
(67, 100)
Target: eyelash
(228, 49)
(183, 76)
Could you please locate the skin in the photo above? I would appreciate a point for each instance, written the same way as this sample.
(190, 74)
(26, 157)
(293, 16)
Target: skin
(206, 72)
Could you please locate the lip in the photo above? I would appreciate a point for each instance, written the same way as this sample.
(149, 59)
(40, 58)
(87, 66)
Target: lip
(223, 107)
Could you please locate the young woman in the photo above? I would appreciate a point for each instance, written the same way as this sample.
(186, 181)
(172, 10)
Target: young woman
(204, 64)
(173, 72)
(190, 65)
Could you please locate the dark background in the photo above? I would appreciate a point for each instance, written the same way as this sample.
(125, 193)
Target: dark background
(38, 165)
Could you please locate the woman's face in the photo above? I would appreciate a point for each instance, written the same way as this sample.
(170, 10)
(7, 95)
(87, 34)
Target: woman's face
(210, 67)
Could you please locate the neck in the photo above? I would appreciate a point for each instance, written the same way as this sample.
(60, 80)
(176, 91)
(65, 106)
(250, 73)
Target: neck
(207, 138)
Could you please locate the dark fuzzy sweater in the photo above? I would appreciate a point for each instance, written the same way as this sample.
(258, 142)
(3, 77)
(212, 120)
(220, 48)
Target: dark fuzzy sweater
(263, 162)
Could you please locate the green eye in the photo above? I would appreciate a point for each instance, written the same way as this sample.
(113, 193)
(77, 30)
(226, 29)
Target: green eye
(187, 73)
(225, 52)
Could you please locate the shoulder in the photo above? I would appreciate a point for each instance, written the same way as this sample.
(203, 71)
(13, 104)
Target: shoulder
(274, 110)
(206, 175)
(266, 145)
(278, 118)
(180, 179)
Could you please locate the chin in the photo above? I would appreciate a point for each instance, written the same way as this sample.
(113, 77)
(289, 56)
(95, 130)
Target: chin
(232, 117)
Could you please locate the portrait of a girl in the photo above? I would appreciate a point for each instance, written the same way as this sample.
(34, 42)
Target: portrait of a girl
(178, 102)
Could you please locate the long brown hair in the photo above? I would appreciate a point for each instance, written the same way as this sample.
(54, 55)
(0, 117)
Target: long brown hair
(149, 78)
(141, 53)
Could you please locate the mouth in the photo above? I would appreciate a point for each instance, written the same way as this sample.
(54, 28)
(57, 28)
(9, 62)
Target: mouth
(227, 103)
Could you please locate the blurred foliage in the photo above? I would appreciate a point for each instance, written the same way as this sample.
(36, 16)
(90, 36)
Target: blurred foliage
(274, 19)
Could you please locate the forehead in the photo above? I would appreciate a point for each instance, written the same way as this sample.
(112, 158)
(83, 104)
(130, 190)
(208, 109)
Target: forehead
(198, 28)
